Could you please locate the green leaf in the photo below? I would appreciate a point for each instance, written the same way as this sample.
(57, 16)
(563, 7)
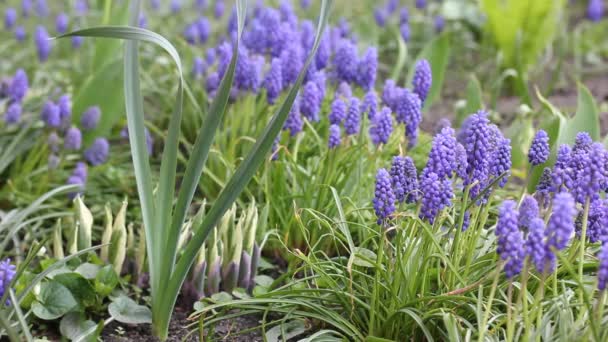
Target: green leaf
(81, 288)
(88, 270)
(474, 100)
(364, 257)
(54, 301)
(286, 331)
(125, 310)
(105, 281)
(437, 52)
(74, 325)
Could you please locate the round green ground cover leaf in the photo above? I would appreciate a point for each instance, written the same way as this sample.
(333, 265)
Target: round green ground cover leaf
(74, 324)
(286, 331)
(105, 281)
(125, 310)
(54, 301)
(88, 270)
(81, 288)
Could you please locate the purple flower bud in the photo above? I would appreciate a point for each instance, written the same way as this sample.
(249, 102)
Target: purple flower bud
(561, 223)
(81, 7)
(345, 61)
(311, 102)
(247, 75)
(77, 41)
(305, 4)
(42, 10)
(528, 210)
(442, 157)
(18, 86)
(10, 18)
(80, 171)
(380, 15)
(404, 15)
(420, 4)
(291, 57)
(595, 10)
(65, 108)
(90, 118)
(53, 161)
(404, 29)
(536, 248)
(98, 153)
(370, 104)
(219, 8)
(204, 29)
(13, 113)
(436, 195)
(602, 271)
(323, 52)
(391, 6)
(155, 4)
(422, 79)
(352, 122)
(344, 90)
(50, 114)
(294, 122)
(439, 23)
(544, 188)
(210, 56)
(43, 44)
(61, 23)
(212, 83)
(72, 139)
(500, 167)
(509, 239)
(591, 173)
(176, 6)
(73, 180)
(597, 222)
(338, 112)
(201, 4)
(389, 94)
(367, 68)
(334, 136)
(409, 111)
(404, 179)
(274, 80)
(7, 273)
(562, 172)
(53, 142)
(191, 33)
(142, 21)
(20, 33)
(381, 127)
(539, 150)
(307, 34)
(198, 67)
(476, 134)
(384, 199)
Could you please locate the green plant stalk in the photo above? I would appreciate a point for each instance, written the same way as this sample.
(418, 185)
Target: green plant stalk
(456, 242)
(524, 300)
(486, 315)
(539, 308)
(510, 320)
(581, 254)
(374, 303)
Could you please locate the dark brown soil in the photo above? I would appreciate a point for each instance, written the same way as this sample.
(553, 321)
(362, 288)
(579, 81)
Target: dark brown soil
(226, 330)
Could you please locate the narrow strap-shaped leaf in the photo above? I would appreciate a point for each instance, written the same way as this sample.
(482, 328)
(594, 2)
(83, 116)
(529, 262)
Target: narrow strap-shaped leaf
(201, 147)
(242, 175)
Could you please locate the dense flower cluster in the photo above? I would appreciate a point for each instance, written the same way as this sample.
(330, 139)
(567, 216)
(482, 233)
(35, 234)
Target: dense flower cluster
(404, 179)
(539, 150)
(510, 244)
(15, 90)
(384, 199)
(382, 126)
(7, 273)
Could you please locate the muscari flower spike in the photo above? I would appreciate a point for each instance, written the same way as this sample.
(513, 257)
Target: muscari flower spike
(367, 68)
(346, 61)
(381, 127)
(501, 161)
(591, 173)
(274, 81)
(404, 15)
(98, 152)
(353, 117)
(338, 111)
(476, 134)
(561, 175)
(13, 113)
(404, 179)
(380, 15)
(334, 136)
(536, 248)
(595, 10)
(409, 111)
(50, 114)
(61, 23)
(539, 150)
(442, 157)
(294, 122)
(311, 101)
(72, 139)
(544, 187)
(422, 79)
(7, 273)
(437, 194)
(43, 44)
(65, 107)
(528, 210)
(384, 199)
(20, 33)
(560, 226)
(404, 29)
(90, 118)
(439, 23)
(510, 244)
(10, 18)
(370, 104)
(344, 90)
(19, 86)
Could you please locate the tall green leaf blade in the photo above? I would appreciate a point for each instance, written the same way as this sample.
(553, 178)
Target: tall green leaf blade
(201, 147)
(243, 174)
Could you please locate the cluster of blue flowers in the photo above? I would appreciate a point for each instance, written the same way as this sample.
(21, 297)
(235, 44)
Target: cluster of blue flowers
(382, 15)
(452, 157)
(57, 117)
(15, 91)
(41, 35)
(595, 10)
(7, 273)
